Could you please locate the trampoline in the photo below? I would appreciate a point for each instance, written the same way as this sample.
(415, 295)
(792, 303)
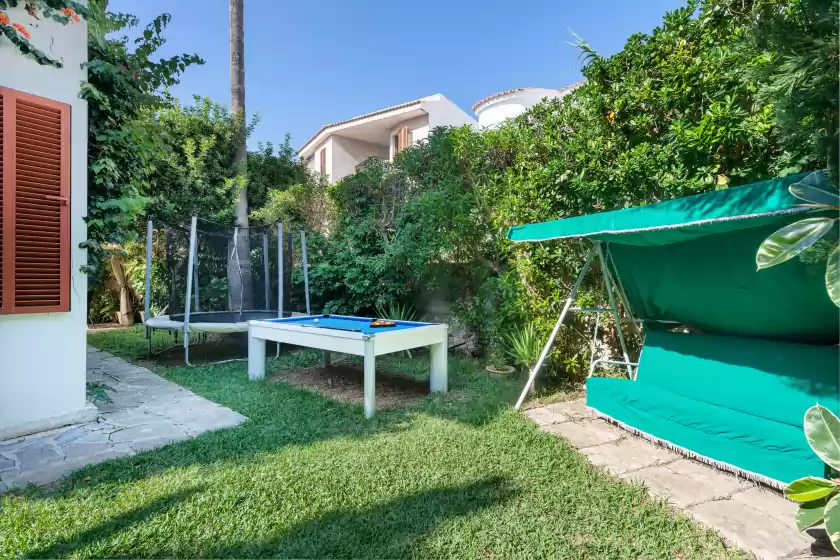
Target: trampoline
(212, 279)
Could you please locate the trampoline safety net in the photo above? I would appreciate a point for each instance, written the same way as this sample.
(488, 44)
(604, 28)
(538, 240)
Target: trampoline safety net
(235, 272)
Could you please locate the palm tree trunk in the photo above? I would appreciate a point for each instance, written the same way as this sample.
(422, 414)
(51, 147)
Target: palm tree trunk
(239, 264)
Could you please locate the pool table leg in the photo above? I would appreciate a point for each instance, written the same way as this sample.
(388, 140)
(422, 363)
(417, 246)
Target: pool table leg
(256, 357)
(370, 378)
(438, 375)
(325, 359)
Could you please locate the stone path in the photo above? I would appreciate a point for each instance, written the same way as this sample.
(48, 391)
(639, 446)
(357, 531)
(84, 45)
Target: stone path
(144, 411)
(749, 516)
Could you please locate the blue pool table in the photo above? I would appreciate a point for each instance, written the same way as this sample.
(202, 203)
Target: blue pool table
(351, 335)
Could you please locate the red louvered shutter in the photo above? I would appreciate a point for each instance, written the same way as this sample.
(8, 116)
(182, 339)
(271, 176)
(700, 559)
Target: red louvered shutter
(36, 204)
(2, 206)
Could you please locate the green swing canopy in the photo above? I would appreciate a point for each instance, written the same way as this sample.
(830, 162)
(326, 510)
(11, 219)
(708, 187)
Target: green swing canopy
(692, 261)
(681, 219)
(755, 348)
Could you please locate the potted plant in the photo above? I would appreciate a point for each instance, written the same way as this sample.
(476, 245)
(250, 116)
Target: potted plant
(819, 498)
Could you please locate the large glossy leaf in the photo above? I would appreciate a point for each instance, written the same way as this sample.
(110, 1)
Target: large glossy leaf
(832, 521)
(791, 240)
(810, 514)
(822, 429)
(809, 489)
(832, 276)
(817, 189)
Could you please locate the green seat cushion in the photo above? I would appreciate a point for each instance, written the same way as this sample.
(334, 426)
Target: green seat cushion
(773, 380)
(775, 450)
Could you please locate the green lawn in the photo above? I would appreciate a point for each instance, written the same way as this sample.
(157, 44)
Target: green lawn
(460, 476)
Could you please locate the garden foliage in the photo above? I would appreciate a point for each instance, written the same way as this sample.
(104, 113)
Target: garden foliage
(723, 93)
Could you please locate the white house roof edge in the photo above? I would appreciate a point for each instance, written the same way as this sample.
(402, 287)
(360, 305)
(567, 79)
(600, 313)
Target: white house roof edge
(495, 96)
(329, 127)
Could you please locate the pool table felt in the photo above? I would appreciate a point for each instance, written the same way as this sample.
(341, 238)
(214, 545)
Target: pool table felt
(362, 324)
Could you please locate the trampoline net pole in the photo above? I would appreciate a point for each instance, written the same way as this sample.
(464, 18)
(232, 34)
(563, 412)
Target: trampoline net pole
(280, 268)
(266, 275)
(148, 294)
(305, 269)
(190, 269)
(195, 275)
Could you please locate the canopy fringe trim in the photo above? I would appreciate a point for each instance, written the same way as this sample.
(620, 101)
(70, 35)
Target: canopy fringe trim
(720, 465)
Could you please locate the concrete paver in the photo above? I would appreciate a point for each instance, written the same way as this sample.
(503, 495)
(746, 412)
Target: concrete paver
(629, 454)
(741, 523)
(586, 433)
(687, 482)
(144, 411)
(545, 417)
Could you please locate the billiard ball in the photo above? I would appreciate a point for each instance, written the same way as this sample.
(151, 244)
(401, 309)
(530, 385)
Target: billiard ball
(315, 320)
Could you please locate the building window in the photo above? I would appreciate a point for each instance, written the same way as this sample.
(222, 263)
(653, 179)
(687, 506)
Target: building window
(402, 139)
(34, 204)
(323, 157)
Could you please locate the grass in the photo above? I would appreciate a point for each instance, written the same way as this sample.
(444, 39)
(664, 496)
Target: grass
(458, 476)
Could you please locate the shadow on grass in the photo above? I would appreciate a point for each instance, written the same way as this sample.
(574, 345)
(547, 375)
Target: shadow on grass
(389, 530)
(280, 416)
(113, 526)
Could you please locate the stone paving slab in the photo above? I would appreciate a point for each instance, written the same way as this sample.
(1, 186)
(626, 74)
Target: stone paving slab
(740, 522)
(144, 411)
(587, 433)
(627, 455)
(544, 417)
(750, 516)
(687, 482)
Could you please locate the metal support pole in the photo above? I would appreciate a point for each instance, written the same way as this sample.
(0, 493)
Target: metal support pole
(266, 279)
(195, 276)
(305, 269)
(280, 241)
(147, 296)
(611, 296)
(149, 235)
(190, 268)
(594, 347)
(619, 287)
(279, 276)
(547, 348)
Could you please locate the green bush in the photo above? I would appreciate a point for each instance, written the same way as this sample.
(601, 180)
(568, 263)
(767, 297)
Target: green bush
(723, 93)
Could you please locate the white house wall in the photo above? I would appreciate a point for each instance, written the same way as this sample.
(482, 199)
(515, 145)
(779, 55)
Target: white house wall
(347, 153)
(314, 163)
(512, 105)
(442, 112)
(42, 356)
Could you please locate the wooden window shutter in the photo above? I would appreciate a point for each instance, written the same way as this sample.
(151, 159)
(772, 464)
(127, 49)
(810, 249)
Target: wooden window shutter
(34, 204)
(401, 140)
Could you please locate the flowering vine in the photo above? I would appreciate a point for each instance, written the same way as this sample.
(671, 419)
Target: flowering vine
(61, 11)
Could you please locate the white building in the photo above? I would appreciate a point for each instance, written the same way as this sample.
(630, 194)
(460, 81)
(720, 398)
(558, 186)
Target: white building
(497, 108)
(43, 197)
(337, 149)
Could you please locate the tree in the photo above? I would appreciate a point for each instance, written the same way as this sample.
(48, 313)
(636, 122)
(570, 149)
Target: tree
(239, 267)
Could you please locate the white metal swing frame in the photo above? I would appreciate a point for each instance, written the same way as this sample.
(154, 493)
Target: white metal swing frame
(611, 287)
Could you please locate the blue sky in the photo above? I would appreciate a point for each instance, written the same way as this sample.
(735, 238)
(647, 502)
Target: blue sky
(308, 63)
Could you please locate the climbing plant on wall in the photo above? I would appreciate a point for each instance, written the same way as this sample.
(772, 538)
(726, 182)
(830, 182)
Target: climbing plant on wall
(61, 11)
(124, 85)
